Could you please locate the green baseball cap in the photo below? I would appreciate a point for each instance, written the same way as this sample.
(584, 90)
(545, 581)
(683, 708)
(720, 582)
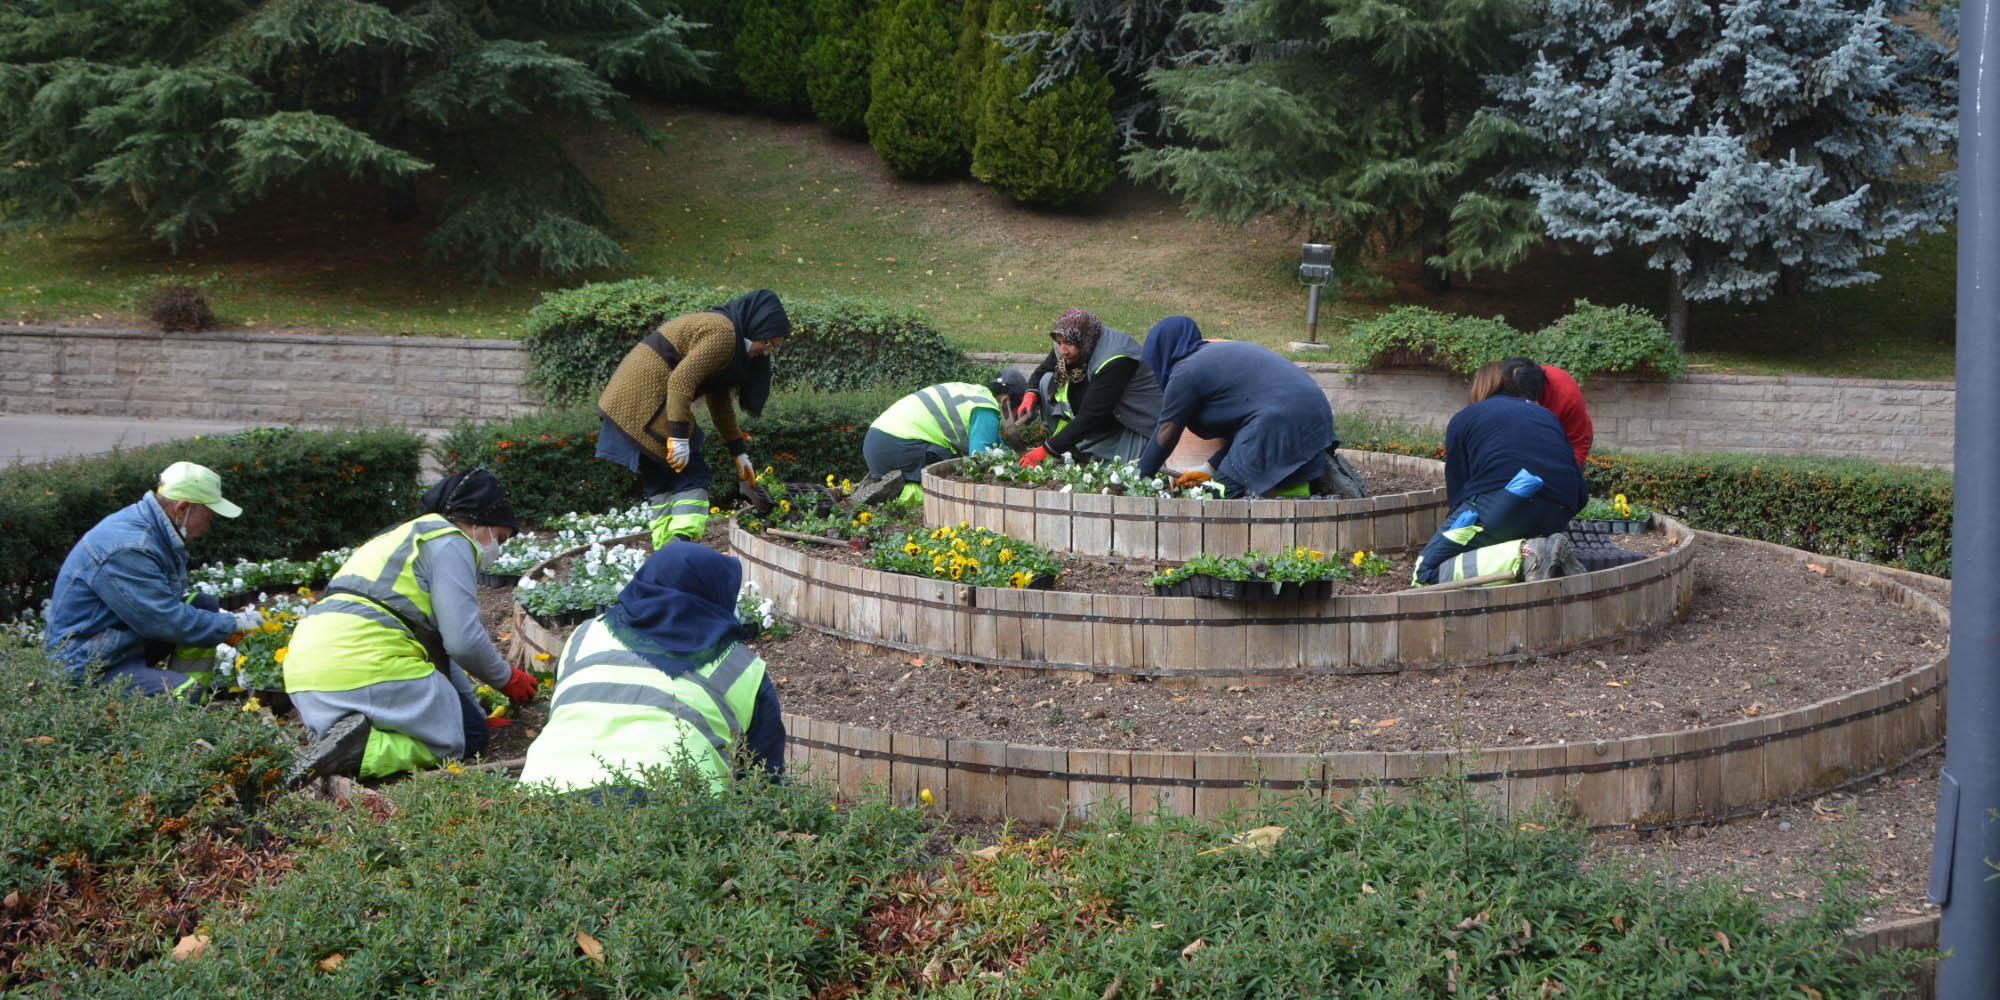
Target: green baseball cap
(196, 484)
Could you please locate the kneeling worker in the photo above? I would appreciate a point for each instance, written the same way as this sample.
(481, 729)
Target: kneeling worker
(120, 606)
(1509, 475)
(660, 680)
(1099, 400)
(377, 668)
(946, 420)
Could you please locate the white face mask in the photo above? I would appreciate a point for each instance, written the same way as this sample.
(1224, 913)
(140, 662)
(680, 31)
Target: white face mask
(489, 550)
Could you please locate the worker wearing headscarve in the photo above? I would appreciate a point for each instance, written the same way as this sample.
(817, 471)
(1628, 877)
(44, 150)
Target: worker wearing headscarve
(1097, 397)
(647, 408)
(661, 680)
(1274, 422)
(377, 668)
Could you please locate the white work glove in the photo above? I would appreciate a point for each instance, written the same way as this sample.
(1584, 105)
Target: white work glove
(746, 470)
(678, 453)
(248, 619)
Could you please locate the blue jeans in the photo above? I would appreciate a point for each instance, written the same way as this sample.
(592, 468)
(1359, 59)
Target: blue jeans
(476, 733)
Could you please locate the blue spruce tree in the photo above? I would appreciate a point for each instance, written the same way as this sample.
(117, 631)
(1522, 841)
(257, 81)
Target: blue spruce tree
(1749, 147)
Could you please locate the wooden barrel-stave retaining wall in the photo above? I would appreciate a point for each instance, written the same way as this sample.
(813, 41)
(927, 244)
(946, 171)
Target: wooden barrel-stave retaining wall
(1170, 530)
(1201, 638)
(1653, 781)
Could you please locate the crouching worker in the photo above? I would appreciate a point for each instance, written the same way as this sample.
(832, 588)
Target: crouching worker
(1098, 399)
(661, 680)
(947, 420)
(120, 606)
(377, 668)
(1511, 485)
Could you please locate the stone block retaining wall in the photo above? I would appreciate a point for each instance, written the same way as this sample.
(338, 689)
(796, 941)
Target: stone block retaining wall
(435, 382)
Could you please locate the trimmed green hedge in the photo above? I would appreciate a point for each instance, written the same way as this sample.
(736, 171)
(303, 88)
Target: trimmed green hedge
(302, 492)
(1893, 515)
(577, 337)
(1591, 339)
(549, 462)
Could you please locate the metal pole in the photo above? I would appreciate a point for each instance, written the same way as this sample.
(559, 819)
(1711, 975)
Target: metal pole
(1968, 836)
(1312, 314)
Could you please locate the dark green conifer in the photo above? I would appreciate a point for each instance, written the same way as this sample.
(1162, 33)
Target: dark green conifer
(836, 63)
(1053, 147)
(913, 115)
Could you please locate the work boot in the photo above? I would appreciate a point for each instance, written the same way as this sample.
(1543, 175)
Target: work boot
(875, 490)
(336, 753)
(1570, 564)
(1545, 558)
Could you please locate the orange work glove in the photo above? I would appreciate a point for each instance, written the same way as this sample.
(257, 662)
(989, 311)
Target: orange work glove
(1027, 406)
(519, 688)
(1035, 456)
(1190, 478)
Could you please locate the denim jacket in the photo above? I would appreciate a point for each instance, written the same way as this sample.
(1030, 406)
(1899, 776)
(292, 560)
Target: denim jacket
(124, 584)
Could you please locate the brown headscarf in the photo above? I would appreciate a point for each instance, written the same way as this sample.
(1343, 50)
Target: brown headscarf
(1081, 328)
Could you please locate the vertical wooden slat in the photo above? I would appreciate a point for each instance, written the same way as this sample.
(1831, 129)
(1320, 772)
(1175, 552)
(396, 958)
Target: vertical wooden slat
(1091, 799)
(1312, 529)
(1220, 643)
(911, 780)
(1390, 527)
(1506, 621)
(1006, 621)
(1465, 637)
(1420, 628)
(1648, 788)
(1578, 623)
(861, 775)
(1090, 530)
(1542, 618)
(1032, 798)
(1358, 531)
(1174, 800)
(1372, 643)
(1525, 794)
(1115, 639)
(1698, 787)
(1599, 794)
(1271, 532)
(1323, 641)
(1066, 634)
(1355, 776)
(1742, 769)
(1238, 794)
(976, 795)
(1224, 531)
(823, 762)
(1020, 515)
(1052, 519)
(1180, 529)
(1134, 533)
(1276, 770)
(1169, 644)
(1271, 640)
(1034, 635)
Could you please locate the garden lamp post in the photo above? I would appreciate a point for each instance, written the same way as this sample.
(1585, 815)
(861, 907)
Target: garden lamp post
(1315, 272)
(1968, 827)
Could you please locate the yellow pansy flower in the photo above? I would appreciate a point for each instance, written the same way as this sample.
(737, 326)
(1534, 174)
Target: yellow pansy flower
(925, 797)
(1357, 557)
(279, 656)
(911, 548)
(1019, 579)
(866, 516)
(1006, 555)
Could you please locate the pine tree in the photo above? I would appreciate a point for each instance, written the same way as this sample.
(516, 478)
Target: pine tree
(1355, 118)
(769, 53)
(1750, 147)
(913, 113)
(1050, 148)
(186, 117)
(836, 63)
(1127, 39)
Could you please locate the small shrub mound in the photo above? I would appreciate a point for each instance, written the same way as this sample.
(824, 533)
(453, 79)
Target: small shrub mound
(120, 817)
(302, 492)
(178, 308)
(1892, 515)
(550, 466)
(1590, 340)
(576, 338)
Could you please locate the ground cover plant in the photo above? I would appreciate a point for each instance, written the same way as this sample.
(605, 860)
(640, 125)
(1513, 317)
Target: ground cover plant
(1294, 565)
(1000, 465)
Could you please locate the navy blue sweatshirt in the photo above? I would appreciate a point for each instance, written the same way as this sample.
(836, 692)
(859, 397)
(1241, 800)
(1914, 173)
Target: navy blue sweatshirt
(1489, 441)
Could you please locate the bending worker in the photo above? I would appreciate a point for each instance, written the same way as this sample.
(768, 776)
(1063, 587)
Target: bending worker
(1511, 485)
(647, 408)
(1099, 400)
(930, 425)
(120, 604)
(377, 668)
(1558, 393)
(659, 680)
(1275, 424)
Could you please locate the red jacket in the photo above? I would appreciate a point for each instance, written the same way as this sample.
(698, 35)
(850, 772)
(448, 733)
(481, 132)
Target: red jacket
(1562, 397)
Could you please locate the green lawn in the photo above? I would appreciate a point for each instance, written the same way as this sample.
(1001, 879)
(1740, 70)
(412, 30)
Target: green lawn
(746, 202)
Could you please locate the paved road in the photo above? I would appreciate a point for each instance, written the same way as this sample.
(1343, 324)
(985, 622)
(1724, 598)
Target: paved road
(39, 437)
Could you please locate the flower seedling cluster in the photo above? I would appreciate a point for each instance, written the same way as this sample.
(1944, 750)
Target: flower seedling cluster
(595, 577)
(244, 576)
(1615, 509)
(967, 555)
(257, 661)
(811, 510)
(1294, 565)
(998, 465)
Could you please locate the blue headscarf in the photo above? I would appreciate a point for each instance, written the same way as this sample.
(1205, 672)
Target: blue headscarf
(679, 611)
(1168, 343)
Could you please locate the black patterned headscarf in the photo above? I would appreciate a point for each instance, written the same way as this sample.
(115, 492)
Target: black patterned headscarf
(757, 316)
(474, 496)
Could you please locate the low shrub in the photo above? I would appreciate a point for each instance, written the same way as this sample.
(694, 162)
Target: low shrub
(549, 465)
(577, 337)
(1053, 147)
(836, 63)
(179, 308)
(1893, 515)
(769, 49)
(470, 886)
(914, 119)
(104, 800)
(1590, 340)
(302, 492)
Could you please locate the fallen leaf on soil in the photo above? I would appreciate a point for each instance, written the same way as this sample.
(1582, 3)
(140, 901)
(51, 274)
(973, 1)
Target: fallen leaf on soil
(1724, 938)
(1367, 890)
(1259, 839)
(1754, 708)
(1252, 740)
(932, 970)
(1614, 684)
(1816, 567)
(40, 739)
(331, 962)
(1618, 921)
(1813, 993)
(916, 661)
(1187, 953)
(1158, 926)
(1237, 688)
(191, 946)
(987, 853)
(1386, 723)
(591, 947)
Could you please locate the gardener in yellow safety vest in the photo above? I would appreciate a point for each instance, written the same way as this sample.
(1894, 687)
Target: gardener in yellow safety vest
(930, 425)
(1099, 400)
(659, 681)
(647, 409)
(377, 668)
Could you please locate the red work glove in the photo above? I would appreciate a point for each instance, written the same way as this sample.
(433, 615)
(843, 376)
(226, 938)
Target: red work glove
(1027, 406)
(520, 687)
(498, 722)
(1035, 456)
